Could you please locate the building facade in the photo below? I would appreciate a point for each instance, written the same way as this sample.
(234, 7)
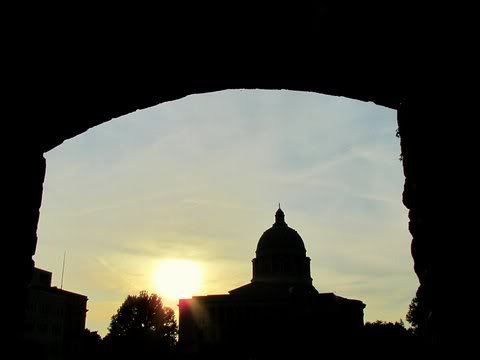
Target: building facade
(54, 319)
(278, 312)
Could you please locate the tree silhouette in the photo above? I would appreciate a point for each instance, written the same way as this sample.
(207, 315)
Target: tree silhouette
(383, 337)
(142, 326)
(386, 331)
(417, 316)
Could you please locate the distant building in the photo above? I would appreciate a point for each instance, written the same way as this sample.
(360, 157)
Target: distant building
(279, 311)
(54, 319)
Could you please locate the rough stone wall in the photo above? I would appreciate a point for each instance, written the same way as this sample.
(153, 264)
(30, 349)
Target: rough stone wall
(419, 155)
(23, 198)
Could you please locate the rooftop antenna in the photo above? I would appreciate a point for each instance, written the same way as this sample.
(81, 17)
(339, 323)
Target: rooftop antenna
(63, 268)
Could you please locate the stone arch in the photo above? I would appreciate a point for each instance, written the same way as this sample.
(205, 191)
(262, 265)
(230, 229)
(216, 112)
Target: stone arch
(100, 84)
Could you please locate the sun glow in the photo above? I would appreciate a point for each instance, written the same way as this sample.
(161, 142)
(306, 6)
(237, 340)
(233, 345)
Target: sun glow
(177, 278)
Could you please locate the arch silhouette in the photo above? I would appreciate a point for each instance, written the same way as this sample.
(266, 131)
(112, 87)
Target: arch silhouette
(94, 73)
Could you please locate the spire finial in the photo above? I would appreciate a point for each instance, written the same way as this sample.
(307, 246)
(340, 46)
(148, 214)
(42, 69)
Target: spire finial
(279, 216)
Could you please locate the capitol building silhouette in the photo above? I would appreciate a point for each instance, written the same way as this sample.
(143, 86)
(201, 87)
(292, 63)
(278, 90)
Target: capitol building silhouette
(278, 312)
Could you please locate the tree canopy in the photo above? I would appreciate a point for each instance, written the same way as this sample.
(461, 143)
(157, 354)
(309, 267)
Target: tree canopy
(141, 326)
(417, 316)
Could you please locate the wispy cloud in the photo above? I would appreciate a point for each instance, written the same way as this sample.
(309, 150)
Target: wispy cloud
(200, 178)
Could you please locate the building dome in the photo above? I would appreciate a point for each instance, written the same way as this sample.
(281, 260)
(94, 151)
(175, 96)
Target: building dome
(281, 255)
(280, 239)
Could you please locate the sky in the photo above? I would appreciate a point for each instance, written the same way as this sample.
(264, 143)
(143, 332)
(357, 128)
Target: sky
(195, 182)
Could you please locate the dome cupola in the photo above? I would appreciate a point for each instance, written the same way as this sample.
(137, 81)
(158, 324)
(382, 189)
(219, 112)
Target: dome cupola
(281, 255)
(280, 239)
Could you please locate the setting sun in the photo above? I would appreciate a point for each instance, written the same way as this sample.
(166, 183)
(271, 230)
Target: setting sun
(177, 278)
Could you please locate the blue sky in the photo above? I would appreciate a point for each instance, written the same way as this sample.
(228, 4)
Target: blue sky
(200, 179)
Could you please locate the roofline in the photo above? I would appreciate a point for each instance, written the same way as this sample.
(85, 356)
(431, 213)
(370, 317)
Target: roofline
(54, 289)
